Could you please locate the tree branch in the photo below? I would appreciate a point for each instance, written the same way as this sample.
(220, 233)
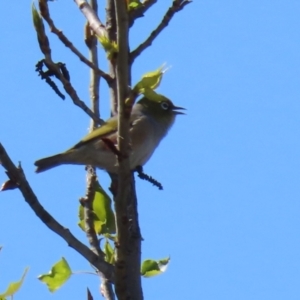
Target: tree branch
(94, 76)
(107, 290)
(17, 175)
(139, 12)
(43, 5)
(87, 203)
(111, 28)
(45, 48)
(128, 244)
(92, 18)
(176, 7)
(91, 41)
(71, 91)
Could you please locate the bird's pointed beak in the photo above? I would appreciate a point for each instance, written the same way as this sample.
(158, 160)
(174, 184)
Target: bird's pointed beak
(175, 108)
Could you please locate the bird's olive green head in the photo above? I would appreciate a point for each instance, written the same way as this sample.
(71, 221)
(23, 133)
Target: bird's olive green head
(162, 109)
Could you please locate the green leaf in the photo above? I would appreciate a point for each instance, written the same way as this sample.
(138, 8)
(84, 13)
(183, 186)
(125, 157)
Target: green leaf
(134, 4)
(14, 286)
(97, 223)
(150, 80)
(104, 218)
(110, 237)
(57, 276)
(103, 210)
(152, 267)
(37, 21)
(110, 47)
(109, 252)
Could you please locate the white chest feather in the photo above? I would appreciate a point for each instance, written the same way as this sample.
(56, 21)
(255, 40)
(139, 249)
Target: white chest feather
(146, 135)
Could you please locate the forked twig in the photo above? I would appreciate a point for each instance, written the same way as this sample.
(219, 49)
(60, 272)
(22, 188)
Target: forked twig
(176, 7)
(43, 5)
(17, 175)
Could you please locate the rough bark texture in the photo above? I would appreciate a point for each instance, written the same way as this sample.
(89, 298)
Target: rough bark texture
(128, 245)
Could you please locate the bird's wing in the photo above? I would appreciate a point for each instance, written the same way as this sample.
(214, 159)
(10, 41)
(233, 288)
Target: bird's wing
(107, 130)
(109, 127)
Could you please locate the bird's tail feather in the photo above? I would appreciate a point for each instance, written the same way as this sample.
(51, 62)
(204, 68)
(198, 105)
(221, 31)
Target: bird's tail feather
(48, 163)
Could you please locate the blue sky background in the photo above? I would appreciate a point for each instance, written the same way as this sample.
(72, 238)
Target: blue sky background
(229, 212)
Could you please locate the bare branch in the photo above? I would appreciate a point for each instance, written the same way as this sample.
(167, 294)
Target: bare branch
(111, 28)
(17, 175)
(107, 290)
(46, 15)
(71, 91)
(87, 203)
(128, 244)
(89, 295)
(54, 68)
(139, 12)
(176, 7)
(106, 285)
(92, 18)
(94, 76)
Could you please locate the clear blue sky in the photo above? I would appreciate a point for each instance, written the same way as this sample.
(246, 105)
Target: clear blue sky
(229, 212)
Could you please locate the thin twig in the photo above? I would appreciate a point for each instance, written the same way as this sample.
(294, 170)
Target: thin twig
(71, 91)
(91, 170)
(107, 290)
(46, 15)
(94, 76)
(176, 7)
(84, 272)
(139, 12)
(54, 68)
(89, 295)
(17, 175)
(87, 203)
(111, 28)
(106, 285)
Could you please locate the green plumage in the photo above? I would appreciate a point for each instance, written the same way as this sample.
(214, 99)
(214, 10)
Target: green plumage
(150, 121)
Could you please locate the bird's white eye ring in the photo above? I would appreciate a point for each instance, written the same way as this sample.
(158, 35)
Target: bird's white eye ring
(165, 105)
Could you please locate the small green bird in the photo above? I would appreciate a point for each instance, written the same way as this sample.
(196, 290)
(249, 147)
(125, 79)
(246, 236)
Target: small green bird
(150, 121)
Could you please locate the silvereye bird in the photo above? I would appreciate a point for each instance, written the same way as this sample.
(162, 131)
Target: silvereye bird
(150, 121)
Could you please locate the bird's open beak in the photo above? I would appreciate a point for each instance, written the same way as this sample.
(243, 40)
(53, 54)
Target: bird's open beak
(174, 108)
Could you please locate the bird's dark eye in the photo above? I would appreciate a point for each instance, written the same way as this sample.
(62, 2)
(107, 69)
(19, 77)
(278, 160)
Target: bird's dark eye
(165, 105)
